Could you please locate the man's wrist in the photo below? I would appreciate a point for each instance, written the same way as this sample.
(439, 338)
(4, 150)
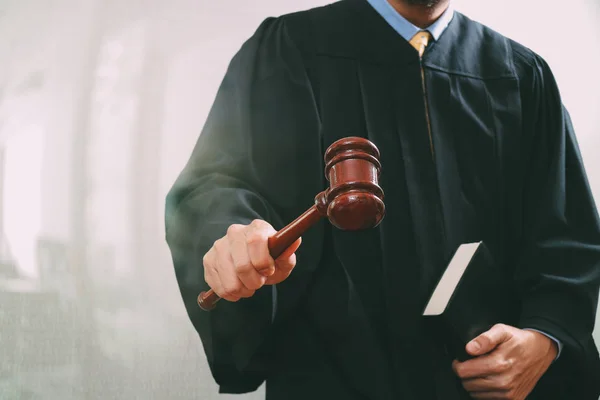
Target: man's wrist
(556, 344)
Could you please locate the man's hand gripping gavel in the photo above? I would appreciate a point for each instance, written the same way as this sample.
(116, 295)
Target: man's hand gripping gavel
(251, 256)
(240, 263)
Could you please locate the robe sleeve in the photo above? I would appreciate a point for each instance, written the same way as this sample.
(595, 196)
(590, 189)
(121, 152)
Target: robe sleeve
(558, 266)
(258, 148)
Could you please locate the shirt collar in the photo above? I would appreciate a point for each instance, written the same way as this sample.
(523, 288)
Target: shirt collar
(405, 28)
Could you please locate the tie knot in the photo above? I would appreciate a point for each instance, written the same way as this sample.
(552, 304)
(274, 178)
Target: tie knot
(420, 41)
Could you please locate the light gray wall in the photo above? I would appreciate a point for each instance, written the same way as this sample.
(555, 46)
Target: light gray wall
(101, 102)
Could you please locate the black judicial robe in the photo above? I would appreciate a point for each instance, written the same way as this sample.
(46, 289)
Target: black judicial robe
(497, 160)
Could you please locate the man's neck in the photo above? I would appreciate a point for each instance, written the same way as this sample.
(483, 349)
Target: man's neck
(419, 15)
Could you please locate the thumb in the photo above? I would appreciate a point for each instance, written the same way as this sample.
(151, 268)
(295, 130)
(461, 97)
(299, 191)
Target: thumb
(488, 341)
(285, 263)
(290, 250)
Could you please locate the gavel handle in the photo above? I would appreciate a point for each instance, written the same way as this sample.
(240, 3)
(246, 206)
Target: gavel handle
(277, 243)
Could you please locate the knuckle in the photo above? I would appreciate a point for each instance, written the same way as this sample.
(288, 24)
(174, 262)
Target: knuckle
(505, 383)
(241, 266)
(231, 290)
(263, 262)
(255, 237)
(264, 268)
(254, 283)
(520, 341)
(261, 225)
(499, 327)
(509, 362)
(234, 229)
(260, 282)
(206, 260)
(220, 245)
(503, 364)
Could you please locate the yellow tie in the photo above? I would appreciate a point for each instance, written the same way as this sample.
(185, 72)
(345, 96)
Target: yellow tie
(420, 41)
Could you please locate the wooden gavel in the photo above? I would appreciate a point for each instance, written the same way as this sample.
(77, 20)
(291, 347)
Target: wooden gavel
(353, 201)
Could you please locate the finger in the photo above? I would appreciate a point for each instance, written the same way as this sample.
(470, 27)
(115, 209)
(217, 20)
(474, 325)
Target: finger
(211, 277)
(241, 260)
(232, 287)
(257, 237)
(283, 270)
(286, 262)
(220, 287)
(497, 395)
(290, 250)
(495, 383)
(489, 340)
(482, 366)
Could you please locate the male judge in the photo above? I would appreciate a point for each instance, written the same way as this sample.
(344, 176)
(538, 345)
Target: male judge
(475, 146)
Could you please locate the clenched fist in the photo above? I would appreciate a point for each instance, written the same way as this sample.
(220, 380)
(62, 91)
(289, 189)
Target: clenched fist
(239, 263)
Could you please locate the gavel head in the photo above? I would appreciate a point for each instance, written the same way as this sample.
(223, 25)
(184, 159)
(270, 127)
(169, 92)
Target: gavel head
(354, 199)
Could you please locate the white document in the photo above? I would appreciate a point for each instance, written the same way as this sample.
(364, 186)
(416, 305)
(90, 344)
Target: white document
(451, 278)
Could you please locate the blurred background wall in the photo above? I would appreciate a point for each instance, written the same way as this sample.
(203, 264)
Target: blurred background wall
(101, 102)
